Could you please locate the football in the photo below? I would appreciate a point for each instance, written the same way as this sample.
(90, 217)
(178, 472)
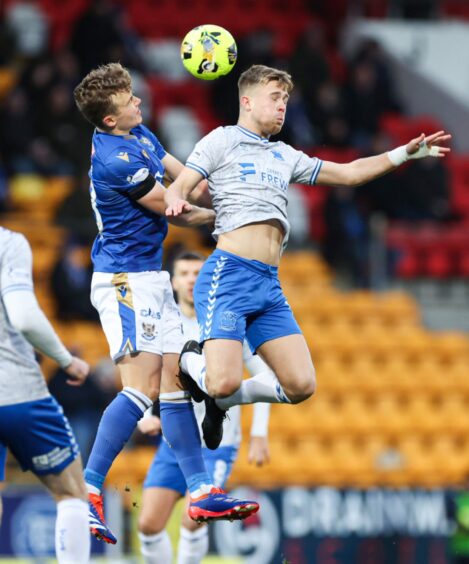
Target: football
(208, 52)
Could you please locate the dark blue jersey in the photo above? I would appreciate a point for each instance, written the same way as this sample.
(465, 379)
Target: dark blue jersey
(123, 169)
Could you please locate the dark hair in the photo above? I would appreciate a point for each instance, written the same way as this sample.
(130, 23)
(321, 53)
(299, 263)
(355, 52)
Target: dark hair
(260, 74)
(188, 255)
(93, 95)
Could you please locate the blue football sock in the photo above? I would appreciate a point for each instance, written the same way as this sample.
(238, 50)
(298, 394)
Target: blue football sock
(117, 425)
(182, 434)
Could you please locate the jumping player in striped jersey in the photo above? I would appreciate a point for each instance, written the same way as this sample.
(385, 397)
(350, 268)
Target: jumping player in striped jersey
(133, 295)
(238, 293)
(165, 484)
(32, 423)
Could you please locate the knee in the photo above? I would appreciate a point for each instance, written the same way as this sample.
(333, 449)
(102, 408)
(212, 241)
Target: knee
(222, 385)
(148, 525)
(302, 388)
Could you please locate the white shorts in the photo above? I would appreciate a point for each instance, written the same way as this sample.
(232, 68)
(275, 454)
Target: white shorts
(137, 312)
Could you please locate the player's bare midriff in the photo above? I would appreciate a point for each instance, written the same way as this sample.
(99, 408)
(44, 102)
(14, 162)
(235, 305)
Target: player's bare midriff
(257, 241)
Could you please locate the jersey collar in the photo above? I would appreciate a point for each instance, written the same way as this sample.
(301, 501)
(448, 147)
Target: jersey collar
(251, 134)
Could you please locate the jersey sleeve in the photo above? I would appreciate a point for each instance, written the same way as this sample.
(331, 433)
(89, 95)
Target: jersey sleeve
(207, 154)
(306, 168)
(17, 266)
(127, 172)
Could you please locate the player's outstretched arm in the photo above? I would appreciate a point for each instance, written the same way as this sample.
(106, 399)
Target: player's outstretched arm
(364, 170)
(192, 217)
(177, 193)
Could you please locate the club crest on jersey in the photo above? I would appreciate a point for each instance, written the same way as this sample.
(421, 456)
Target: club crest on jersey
(139, 176)
(228, 321)
(123, 156)
(277, 155)
(147, 142)
(149, 331)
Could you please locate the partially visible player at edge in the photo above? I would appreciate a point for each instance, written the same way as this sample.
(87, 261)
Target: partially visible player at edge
(238, 294)
(32, 423)
(164, 484)
(133, 295)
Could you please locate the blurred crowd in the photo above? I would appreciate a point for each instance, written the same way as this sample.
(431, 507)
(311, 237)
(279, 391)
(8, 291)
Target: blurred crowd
(337, 103)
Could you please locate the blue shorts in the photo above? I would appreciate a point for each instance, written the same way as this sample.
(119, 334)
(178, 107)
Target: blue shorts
(237, 298)
(164, 471)
(38, 435)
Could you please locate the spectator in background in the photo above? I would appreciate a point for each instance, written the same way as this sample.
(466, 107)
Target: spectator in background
(426, 195)
(371, 52)
(66, 133)
(308, 64)
(75, 213)
(71, 282)
(297, 209)
(17, 131)
(298, 128)
(30, 27)
(101, 35)
(365, 104)
(380, 195)
(424, 192)
(345, 245)
(83, 406)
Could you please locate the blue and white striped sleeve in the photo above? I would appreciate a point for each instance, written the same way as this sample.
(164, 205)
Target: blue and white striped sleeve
(306, 169)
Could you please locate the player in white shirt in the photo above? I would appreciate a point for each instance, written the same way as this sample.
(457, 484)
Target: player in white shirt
(238, 293)
(165, 484)
(32, 424)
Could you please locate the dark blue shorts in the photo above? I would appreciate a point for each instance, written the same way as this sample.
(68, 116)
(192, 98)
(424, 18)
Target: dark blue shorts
(164, 471)
(237, 298)
(38, 435)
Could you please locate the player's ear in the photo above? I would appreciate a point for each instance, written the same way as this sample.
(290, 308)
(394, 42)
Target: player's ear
(109, 121)
(245, 102)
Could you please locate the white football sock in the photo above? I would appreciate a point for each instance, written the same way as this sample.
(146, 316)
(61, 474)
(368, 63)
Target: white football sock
(194, 365)
(156, 549)
(263, 387)
(193, 545)
(72, 533)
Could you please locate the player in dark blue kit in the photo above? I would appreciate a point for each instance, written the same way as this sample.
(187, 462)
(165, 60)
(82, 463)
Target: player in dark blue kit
(133, 295)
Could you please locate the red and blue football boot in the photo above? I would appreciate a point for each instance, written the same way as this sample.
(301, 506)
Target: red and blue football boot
(219, 506)
(98, 526)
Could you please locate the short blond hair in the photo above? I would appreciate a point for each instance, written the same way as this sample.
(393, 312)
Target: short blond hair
(93, 95)
(260, 74)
